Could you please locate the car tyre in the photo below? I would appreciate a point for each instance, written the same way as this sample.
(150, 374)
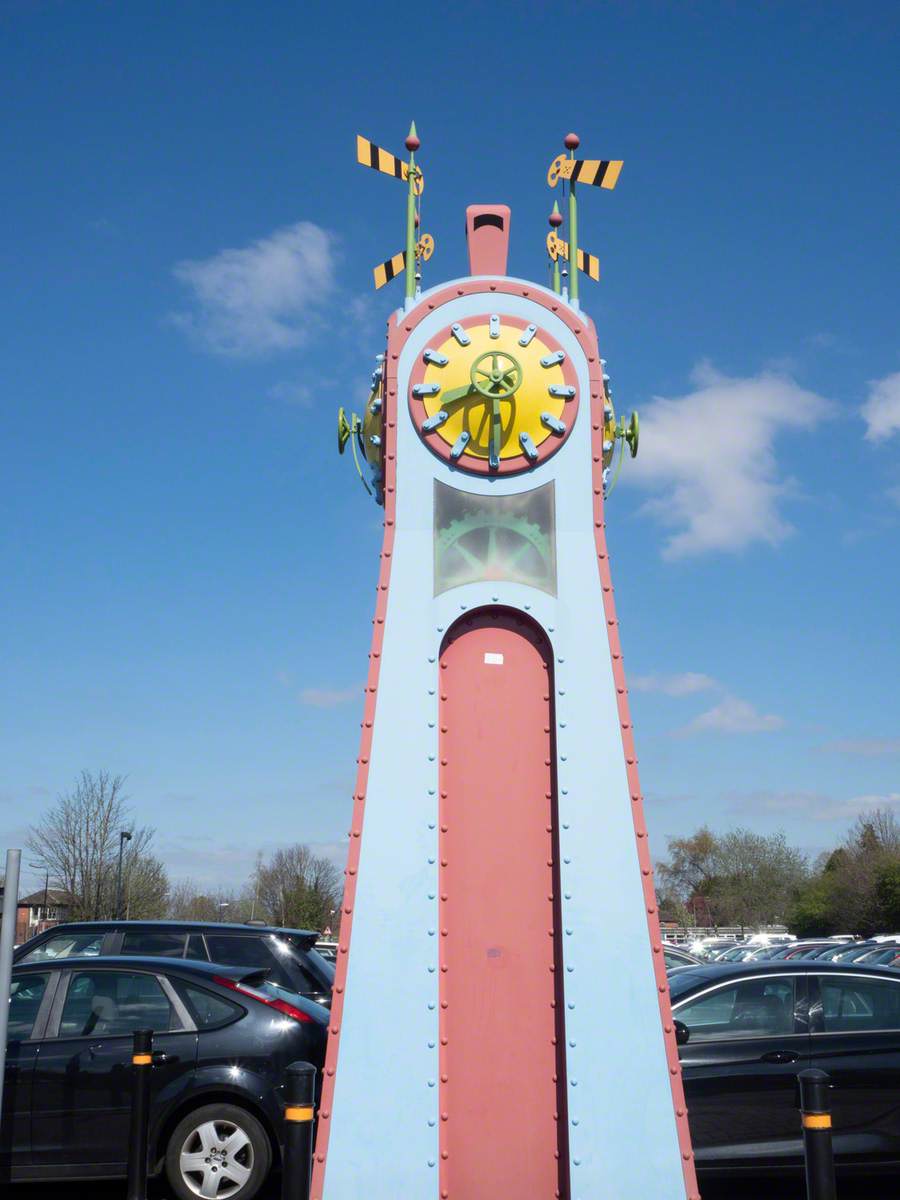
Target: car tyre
(222, 1144)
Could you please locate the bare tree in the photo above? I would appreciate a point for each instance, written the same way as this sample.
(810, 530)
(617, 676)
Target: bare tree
(189, 902)
(299, 889)
(77, 842)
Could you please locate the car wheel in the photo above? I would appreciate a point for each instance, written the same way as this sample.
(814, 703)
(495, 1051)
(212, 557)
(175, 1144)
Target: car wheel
(219, 1151)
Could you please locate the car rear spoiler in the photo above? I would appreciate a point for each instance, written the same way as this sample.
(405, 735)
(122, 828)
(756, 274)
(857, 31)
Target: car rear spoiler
(255, 978)
(306, 941)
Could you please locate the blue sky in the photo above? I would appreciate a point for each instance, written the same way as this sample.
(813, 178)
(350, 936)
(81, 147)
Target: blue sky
(188, 569)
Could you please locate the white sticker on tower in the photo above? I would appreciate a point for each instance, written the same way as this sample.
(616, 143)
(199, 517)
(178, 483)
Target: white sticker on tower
(494, 660)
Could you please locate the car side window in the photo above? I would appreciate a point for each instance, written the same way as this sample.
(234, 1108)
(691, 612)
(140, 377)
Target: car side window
(746, 1009)
(112, 1003)
(240, 950)
(208, 1010)
(25, 998)
(154, 942)
(66, 945)
(859, 1004)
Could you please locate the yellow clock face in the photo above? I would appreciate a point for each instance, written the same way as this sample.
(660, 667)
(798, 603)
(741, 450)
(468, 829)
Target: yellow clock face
(494, 394)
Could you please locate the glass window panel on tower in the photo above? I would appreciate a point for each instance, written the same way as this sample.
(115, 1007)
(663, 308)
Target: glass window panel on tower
(484, 538)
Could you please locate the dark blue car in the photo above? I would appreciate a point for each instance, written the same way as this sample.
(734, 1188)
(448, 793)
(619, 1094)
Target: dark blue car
(223, 1036)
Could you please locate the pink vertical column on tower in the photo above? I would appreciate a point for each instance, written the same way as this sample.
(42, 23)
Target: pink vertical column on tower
(502, 1085)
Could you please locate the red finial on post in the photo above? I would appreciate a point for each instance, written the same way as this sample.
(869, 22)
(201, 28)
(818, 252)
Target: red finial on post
(555, 218)
(571, 141)
(412, 142)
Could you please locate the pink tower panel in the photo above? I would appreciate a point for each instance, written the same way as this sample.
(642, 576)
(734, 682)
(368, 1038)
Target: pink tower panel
(487, 235)
(501, 1092)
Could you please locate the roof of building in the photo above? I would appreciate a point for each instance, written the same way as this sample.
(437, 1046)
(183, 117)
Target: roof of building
(55, 896)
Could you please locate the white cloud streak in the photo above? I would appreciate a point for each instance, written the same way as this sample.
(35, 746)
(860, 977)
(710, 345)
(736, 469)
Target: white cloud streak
(733, 715)
(858, 805)
(685, 684)
(881, 410)
(709, 459)
(258, 299)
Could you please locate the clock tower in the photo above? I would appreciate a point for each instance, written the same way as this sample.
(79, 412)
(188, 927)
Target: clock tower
(501, 1024)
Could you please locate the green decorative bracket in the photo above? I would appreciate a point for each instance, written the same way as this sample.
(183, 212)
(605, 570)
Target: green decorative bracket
(351, 431)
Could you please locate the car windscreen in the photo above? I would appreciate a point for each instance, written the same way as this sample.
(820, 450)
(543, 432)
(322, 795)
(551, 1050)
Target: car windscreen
(685, 980)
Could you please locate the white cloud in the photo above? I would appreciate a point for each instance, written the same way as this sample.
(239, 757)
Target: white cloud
(865, 747)
(709, 458)
(259, 298)
(881, 410)
(329, 697)
(733, 715)
(858, 805)
(780, 802)
(685, 684)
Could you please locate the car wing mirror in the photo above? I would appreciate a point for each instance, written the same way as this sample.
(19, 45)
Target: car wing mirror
(682, 1033)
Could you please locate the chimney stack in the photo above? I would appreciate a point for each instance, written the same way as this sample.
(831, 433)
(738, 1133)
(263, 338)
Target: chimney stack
(487, 235)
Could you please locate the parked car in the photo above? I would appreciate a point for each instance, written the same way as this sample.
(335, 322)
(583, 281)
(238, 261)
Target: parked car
(793, 950)
(882, 953)
(222, 1039)
(707, 948)
(735, 954)
(746, 1030)
(827, 953)
(328, 950)
(676, 957)
(855, 953)
(289, 955)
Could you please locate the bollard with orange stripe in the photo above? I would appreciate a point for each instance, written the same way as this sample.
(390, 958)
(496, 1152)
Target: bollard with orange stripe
(299, 1114)
(139, 1125)
(815, 1116)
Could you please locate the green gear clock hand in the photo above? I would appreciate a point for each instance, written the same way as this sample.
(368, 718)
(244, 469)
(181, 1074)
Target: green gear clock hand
(494, 441)
(457, 394)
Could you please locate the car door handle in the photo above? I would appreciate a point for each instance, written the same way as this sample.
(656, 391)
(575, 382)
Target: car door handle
(780, 1056)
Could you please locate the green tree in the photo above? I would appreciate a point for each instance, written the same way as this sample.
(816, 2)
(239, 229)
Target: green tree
(887, 894)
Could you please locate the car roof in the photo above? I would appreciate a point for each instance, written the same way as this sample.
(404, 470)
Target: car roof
(153, 962)
(215, 926)
(719, 972)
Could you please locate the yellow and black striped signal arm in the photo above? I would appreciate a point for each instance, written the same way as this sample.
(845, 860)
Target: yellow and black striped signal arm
(389, 270)
(589, 263)
(594, 171)
(370, 155)
(558, 247)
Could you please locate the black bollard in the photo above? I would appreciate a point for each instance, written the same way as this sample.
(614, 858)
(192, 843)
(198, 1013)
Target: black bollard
(138, 1132)
(815, 1111)
(300, 1098)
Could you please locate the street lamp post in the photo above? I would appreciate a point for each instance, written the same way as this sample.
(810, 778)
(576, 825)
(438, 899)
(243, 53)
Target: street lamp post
(124, 836)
